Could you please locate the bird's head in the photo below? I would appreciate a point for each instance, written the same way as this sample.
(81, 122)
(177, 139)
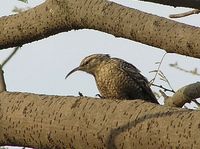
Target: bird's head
(90, 63)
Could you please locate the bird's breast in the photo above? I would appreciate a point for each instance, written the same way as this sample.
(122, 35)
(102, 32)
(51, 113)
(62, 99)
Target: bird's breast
(111, 81)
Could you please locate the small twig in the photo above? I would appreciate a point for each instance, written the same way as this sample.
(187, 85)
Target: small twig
(10, 56)
(2, 81)
(158, 69)
(165, 89)
(164, 78)
(195, 11)
(163, 94)
(157, 95)
(194, 72)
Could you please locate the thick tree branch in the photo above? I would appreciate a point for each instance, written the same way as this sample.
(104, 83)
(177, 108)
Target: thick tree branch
(178, 3)
(34, 24)
(41, 121)
(55, 16)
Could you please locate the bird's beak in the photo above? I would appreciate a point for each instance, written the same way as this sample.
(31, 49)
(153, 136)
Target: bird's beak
(75, 69)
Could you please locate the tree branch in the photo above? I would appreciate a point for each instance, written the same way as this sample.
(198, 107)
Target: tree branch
(195, 11)
(193, 72)
(41, 121)
(54, 16)
(178, 3)
(184, 95)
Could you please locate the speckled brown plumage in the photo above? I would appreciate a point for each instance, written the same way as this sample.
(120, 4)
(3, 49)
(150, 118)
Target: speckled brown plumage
(116, 78)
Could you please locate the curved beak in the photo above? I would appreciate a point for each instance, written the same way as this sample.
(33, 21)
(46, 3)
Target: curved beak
(75, 69)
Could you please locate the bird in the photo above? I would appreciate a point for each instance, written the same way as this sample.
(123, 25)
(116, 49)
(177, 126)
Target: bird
(115, 78)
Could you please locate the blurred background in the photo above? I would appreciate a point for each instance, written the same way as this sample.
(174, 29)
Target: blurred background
(40, 67)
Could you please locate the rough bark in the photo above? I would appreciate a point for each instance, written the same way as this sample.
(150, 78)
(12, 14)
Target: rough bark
(34, 24)
(41, 121)
(55, 16)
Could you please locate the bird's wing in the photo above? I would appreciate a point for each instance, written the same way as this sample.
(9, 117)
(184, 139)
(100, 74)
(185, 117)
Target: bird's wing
(123, 64)
(135, 74)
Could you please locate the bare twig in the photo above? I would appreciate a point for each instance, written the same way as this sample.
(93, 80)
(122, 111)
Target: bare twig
(164, 78)
(163, 94)
(158, 69)
(157, 95)
(2, 81)
(194, 72)
(165, 89)
(10, 56)
(195, 11)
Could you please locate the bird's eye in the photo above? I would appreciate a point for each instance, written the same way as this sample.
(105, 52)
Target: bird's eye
(86, 63)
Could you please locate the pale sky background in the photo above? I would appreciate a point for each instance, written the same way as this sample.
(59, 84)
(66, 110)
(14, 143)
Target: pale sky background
(40, 67)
